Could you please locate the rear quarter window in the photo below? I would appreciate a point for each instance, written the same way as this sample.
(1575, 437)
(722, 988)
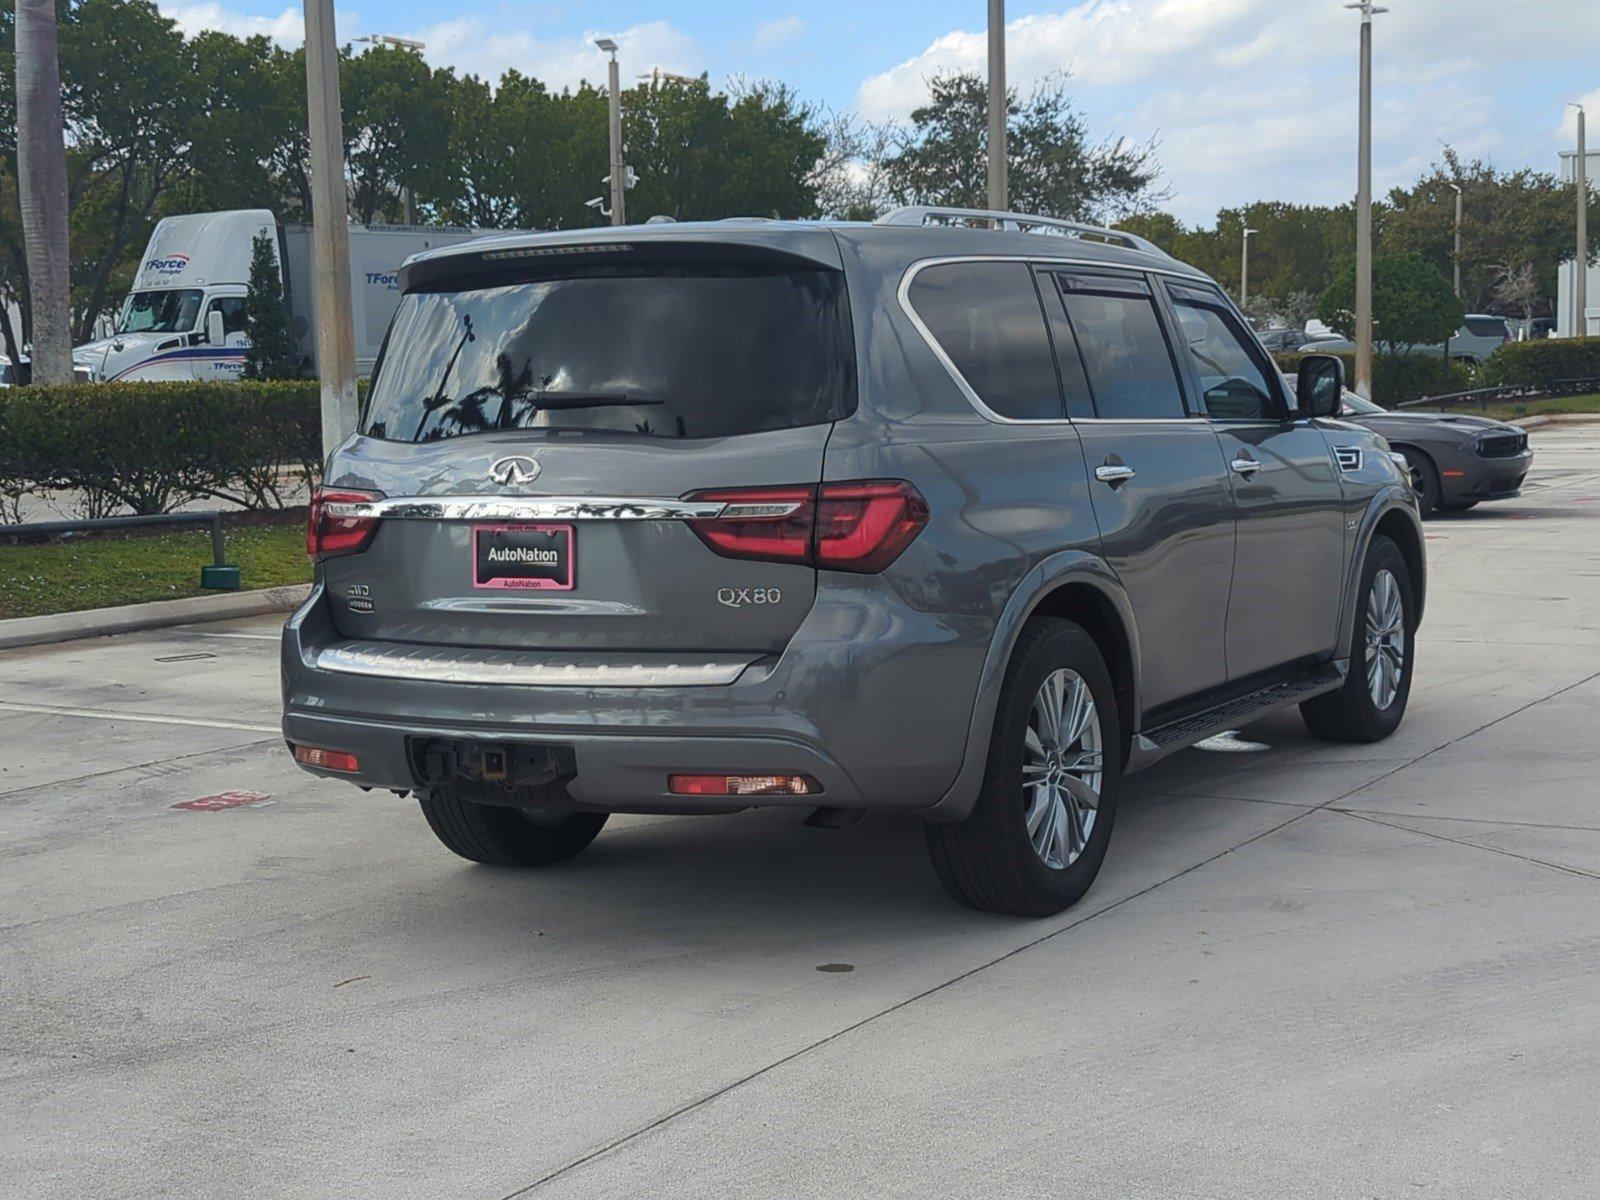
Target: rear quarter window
(986, 318)
(665, 350)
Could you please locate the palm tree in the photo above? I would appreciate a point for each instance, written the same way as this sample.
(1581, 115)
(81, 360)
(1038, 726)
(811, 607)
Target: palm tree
(42, 182)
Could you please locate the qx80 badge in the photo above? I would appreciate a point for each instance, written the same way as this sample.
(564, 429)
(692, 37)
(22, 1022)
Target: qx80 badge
(742, 597)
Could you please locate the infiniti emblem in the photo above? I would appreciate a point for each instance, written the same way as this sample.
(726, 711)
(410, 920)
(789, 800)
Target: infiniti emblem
(514, 471)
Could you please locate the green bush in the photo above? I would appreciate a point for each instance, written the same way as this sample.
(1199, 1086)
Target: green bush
(1542, 364)
(1399, 378)
(151, 447)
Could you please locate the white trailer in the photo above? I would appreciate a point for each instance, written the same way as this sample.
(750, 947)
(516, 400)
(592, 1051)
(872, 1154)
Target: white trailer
(184, 318)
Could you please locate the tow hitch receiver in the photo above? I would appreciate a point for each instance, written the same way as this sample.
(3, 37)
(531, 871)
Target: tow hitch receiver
(437, 761)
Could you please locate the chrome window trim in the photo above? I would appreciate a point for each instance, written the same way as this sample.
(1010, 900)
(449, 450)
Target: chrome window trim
(903, 294)
(529, 508)
(435, 664)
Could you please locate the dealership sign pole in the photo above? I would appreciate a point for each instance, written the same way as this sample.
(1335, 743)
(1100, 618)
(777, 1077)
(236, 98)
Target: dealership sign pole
(998, 183)
(1580, 273)
(330, 229)
(1363, 383)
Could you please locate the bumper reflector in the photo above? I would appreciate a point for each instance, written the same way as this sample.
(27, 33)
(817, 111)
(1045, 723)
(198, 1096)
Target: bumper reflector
(743, 785)
(327, 760)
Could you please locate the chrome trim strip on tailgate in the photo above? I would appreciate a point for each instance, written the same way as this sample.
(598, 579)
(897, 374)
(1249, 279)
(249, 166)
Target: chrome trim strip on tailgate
(528, 508)
(440, 664)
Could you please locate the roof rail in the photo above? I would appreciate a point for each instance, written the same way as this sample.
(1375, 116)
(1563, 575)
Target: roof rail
(931, 214)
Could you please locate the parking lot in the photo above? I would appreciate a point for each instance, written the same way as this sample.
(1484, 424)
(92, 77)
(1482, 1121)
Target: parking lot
(1307, 970)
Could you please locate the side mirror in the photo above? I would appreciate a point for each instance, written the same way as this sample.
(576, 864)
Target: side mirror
(1319, 388)
(214, 331)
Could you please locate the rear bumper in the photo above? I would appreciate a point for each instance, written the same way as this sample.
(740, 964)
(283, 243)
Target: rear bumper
(875, 709)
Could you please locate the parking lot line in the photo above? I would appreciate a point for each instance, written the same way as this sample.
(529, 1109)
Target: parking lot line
(97, 714)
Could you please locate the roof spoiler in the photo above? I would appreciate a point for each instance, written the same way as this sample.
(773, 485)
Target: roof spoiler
(986, 218)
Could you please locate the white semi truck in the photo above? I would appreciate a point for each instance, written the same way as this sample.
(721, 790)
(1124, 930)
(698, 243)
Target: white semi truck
(184, 318)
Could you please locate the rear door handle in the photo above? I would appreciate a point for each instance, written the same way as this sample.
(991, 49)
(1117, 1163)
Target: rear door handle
(1245, 466)
(1114, 473)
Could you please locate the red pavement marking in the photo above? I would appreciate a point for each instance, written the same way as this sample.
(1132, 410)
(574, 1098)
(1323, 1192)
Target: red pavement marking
(220, 801)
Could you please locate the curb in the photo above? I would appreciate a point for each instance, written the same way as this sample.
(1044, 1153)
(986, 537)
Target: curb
(1556, 419)
(156, 614)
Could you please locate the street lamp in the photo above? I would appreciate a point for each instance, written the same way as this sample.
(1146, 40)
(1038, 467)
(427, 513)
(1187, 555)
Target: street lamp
(1580, 274)
(1244, 270)
(1363, 384)
(415, 47)
(998, 184)
(618, 184)
(1456, 257)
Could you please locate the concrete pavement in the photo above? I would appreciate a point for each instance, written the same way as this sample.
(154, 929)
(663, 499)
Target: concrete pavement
(1306, 970)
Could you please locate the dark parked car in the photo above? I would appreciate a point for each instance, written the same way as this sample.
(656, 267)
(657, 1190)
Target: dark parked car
(933, 515)
(1455, 460)
(1282, 341)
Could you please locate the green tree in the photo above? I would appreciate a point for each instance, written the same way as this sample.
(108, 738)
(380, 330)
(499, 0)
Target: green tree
(396, 126)
(487, 178)
(1508, 217)
(703, 154)
(271, 350)
(1054, 170)
(1412, 303)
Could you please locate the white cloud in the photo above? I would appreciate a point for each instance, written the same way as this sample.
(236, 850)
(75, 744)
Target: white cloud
(287, 28)
(470, 45)
(1254, 98)
(1568, 134)
(781, 30)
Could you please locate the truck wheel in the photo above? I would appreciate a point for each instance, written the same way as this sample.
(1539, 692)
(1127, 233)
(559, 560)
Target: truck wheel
(1036, 837)
(1370, 705)
(506, 837)
(1424, 479)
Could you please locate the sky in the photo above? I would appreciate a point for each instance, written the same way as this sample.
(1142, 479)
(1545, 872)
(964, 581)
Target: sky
(1247, 99)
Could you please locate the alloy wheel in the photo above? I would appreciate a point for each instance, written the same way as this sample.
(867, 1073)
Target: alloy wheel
(1386, 640)
(1061, 768)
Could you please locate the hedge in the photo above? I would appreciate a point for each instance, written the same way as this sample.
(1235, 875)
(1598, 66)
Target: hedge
(1398, 378)
(151, 447)
(1543, 363)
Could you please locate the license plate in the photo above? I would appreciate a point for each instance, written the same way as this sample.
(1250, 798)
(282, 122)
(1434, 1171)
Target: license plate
(523, 557)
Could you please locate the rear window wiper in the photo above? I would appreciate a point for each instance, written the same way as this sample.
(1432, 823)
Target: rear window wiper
(555, 400)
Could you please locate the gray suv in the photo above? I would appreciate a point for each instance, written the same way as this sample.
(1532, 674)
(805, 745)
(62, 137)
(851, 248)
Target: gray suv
(964, 515)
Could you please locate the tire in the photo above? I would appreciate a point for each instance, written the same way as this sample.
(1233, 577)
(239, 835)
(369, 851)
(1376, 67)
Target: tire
(501, 836)
(989, 860)
(1424, 479)
(1353, 713)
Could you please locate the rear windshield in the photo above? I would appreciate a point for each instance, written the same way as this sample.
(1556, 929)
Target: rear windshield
(1487, 327)
(671, 351)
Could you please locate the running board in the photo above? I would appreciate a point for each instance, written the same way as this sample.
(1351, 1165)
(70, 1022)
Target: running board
(1186, 731)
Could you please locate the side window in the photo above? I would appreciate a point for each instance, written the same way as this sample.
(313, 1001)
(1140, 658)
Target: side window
(986, 318)
(1125, 354)
(232, 310)
(1234, 383)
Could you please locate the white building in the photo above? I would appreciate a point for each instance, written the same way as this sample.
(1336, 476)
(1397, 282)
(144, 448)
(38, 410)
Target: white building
(1566, 323)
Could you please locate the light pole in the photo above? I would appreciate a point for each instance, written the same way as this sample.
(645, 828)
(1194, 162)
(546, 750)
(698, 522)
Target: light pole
(1456, 256)
(618, 184)
(999, 189)
(330, 229)
(1244, 271)
(416, 47)
(1580, 276)
(1363, 384)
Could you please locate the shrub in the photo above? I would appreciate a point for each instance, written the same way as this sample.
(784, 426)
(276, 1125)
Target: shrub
(1542, 364)
(153, 446)
(1399, 378)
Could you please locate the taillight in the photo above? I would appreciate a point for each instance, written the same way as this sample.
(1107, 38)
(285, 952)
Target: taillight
(331, 530)
(859, 526)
